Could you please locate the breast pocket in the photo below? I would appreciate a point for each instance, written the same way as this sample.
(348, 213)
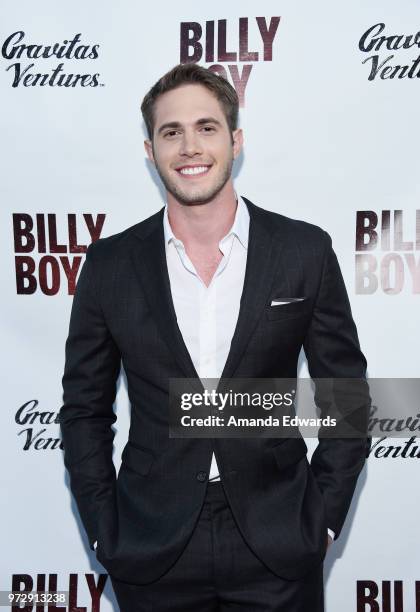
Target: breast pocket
(287, 308)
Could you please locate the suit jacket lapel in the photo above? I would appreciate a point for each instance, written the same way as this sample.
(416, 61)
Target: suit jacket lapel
(152, 271)
(262, 257)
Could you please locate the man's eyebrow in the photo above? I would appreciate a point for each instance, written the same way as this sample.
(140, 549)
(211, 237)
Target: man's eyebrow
(171, 124)
(176, 124)
(207, 120)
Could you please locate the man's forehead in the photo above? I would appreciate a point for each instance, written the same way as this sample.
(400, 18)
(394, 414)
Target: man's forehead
(187, 104)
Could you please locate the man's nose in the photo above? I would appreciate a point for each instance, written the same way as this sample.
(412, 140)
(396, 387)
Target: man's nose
(190, 144)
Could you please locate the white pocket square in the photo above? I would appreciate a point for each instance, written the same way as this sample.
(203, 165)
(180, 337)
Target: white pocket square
(286, 301)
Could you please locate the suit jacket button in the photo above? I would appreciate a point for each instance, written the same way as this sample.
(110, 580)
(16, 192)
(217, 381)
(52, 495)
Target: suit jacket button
(201, 476)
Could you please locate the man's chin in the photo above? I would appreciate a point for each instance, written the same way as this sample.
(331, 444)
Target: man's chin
(194, 199)
(198, 197)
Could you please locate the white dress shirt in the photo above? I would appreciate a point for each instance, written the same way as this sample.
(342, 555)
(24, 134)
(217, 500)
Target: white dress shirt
(207, 316)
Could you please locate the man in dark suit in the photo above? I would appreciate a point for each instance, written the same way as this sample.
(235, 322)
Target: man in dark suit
(210, 286)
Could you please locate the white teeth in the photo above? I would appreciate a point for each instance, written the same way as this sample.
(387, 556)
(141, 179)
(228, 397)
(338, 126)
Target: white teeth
(196, 170)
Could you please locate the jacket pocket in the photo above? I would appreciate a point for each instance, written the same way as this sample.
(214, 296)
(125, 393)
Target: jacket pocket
(137, 459)
(289, 452)
(293, 308)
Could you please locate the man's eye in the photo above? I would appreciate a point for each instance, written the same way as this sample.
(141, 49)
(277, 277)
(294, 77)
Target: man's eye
(208, 128)
(171, 133)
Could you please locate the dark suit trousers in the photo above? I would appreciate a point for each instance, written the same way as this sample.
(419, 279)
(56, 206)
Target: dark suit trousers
(217, 571)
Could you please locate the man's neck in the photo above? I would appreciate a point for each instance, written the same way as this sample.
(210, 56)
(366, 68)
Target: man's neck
(202, 226)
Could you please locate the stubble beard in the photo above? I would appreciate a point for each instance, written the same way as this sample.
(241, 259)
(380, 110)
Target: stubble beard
(199, 196)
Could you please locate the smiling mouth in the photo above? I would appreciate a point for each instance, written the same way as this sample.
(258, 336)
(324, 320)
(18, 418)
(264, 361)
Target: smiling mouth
(193, 171)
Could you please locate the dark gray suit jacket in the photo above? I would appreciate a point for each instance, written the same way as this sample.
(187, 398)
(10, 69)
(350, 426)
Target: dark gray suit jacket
(123, 310)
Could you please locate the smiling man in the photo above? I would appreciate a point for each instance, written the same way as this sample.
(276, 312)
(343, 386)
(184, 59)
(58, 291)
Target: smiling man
(210, 286)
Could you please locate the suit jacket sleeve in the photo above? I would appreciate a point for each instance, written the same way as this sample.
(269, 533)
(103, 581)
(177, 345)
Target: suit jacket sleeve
(332, 350)
(89, 383)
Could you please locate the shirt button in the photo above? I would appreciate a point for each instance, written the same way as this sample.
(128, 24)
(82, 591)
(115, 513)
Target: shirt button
(201, 476)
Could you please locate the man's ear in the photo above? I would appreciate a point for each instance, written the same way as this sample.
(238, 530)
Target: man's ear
(148, 147)
(238, 141)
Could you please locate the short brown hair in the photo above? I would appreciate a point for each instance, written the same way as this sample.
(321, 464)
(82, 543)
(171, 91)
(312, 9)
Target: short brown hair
(184, 74)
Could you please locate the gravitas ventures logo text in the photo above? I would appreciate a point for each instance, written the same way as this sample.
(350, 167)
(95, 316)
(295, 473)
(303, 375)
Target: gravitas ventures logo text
(31, 62)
